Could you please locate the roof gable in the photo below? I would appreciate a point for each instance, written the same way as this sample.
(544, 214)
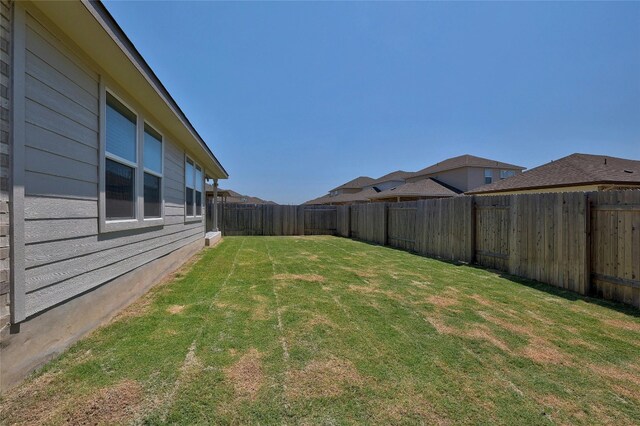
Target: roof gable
(465, 161)
(393, 176)
(357, 183)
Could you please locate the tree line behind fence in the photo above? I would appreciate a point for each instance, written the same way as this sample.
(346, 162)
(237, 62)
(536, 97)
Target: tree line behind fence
(588, 243)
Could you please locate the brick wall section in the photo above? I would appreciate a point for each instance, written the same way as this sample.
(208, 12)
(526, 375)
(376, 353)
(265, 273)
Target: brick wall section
(5, 166)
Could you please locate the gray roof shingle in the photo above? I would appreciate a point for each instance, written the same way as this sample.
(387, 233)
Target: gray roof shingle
(575, 169)
(464, 161)
(423, 188)
(357, 183)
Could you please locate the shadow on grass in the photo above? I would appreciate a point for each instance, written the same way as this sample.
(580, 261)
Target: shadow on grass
(565, 294)
(537, 285)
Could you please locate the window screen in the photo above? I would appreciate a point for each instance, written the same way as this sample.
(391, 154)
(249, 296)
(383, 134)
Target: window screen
(151, 195)
(198, 191)
(121, 130)
(119, 190)
(189, 177)
(152, 150)
(488, 175)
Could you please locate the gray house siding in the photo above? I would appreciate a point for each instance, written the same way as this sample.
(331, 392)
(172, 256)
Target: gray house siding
(5, 157)
(65, 255)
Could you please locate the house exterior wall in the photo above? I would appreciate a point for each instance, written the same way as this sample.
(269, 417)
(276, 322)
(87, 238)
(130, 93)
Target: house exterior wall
(348, 191)
(65, 254)
(5, 157)
(464, 178)
(458, 178)
(69, 276)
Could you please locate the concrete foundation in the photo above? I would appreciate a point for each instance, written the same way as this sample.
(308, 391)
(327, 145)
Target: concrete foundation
(42, 338)
(212, 238)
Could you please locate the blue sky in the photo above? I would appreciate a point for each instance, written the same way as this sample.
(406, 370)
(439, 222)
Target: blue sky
(296, 98)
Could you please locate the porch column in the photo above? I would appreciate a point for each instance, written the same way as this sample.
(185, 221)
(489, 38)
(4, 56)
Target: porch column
(215, 205)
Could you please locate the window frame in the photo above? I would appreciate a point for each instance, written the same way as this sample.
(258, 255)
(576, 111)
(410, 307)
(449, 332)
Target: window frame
(490, 177)
(160, 175)
(138, 221)
(195, 217)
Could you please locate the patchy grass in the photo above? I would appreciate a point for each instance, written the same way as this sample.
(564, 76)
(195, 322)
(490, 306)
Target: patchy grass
(327, 330)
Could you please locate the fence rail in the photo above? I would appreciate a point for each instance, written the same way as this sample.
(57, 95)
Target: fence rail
(588, 243)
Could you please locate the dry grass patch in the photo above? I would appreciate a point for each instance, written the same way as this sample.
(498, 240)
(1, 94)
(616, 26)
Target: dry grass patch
(542, 352)
(322, 378)
(538, 349)
(246, 375)
(373, 289)
(312, 278)
(175, 309)
(625, 325)
(481, 300)
(442, 301)
(31, 403)
(260, 312)
(408, 406)
(112, 405)
(440, 326)
(484, 333)
(320, 320)
(616, 373)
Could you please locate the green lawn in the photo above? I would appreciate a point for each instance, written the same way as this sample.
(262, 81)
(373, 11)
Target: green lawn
(324, 330)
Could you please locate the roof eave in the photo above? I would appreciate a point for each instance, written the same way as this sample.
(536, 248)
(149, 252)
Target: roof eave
(120, 39)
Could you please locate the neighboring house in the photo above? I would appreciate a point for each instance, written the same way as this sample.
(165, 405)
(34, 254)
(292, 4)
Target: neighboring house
(352, 186)
(576, 172)
(467, 172)
(230, 196)
(361, 196)
(105, 195)
(361, 189)
(388, 181)
(346, 193)
(423, 189)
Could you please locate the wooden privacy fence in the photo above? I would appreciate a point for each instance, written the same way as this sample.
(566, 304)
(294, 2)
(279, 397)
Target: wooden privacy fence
(588, 243)
(270, 219)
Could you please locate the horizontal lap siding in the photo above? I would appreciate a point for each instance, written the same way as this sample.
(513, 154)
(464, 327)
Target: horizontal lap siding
(64, 254)
(5, 157)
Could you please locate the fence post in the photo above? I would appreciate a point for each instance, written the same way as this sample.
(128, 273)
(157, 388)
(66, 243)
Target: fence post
(300, 220)
(587, 240)
(385, 221)
(472, 230)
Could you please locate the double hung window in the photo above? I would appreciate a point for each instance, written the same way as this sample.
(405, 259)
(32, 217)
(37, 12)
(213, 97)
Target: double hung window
(488, 176)
(194, 183)
(121, 161)
(152, 173)
(132, 168)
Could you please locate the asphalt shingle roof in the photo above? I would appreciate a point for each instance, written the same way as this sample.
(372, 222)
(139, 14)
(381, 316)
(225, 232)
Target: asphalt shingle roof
(575, 169)
(356, 183)
(422, 188)
(464, 161)
(397, 175)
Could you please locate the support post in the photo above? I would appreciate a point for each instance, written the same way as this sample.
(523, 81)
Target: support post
(215, 205)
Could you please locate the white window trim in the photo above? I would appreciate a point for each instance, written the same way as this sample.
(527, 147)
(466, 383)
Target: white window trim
(490, 176)
(194, 217)
(138, 221)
